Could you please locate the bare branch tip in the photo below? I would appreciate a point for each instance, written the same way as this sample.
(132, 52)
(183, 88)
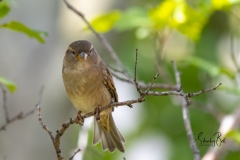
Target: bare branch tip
(130, 106)
(156, 76)
(74, 154)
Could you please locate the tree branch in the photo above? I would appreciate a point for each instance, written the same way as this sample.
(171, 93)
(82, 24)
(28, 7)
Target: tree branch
(56, 139)
(19, 116)
(78, 150)
(143, 85)
(4, 92)
(142, 94)
(186, 119)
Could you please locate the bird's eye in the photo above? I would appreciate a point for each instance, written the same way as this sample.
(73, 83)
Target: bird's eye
(73, 52)
(91, 51)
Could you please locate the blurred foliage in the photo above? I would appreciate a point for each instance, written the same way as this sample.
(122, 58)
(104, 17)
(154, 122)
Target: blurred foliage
(231, 90)
(10, 85)
(235, 135)
(4, 8)
(196, 35)
(175, 14)
(212, 69)
(19, 27)
(106, 21)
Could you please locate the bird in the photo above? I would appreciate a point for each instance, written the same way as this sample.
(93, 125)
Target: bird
(89, 84)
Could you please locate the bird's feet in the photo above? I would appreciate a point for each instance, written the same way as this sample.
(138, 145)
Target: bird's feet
(97, 113)
(112, 101)
(80, 118)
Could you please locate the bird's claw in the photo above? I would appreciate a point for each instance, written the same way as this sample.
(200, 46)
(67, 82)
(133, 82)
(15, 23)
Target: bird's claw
(80, 118)
(97, 113)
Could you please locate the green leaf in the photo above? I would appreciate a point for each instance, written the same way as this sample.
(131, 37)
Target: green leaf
(19, 27)
(211, 68)
(133, 18)
(4, 9)
(189, 21)
(224, 4)
(162, 14)
(105, 22)
(10, 85)
(235, 135)
(179, 15)
(221, 4)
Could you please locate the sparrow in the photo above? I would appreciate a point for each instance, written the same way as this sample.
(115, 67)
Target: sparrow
(89, 84)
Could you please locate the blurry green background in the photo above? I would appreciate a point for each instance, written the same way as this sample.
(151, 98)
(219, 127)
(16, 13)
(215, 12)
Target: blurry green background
(196, 34)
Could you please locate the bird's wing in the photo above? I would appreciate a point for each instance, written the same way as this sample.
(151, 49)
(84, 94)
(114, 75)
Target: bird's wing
(108, 81)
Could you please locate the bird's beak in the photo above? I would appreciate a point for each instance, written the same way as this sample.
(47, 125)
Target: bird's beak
(82, 56)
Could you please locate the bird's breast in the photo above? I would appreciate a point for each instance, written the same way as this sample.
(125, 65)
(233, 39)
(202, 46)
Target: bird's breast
(86, 90)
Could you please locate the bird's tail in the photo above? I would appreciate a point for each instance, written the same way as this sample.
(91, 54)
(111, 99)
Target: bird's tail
(110, 139)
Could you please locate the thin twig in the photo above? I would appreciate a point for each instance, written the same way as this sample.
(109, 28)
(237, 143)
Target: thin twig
(38, 109)
(203, 91)
(114, 69)
(234, 59)
(158, 86)
(143, 85)
(61, 132)
(187, 123)
(74, 154)
(177, 74)
(150, 93)
(151, 84)
(4, 92)
(135, 75)
(56, 139)
(19, 116)
(121, 78)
